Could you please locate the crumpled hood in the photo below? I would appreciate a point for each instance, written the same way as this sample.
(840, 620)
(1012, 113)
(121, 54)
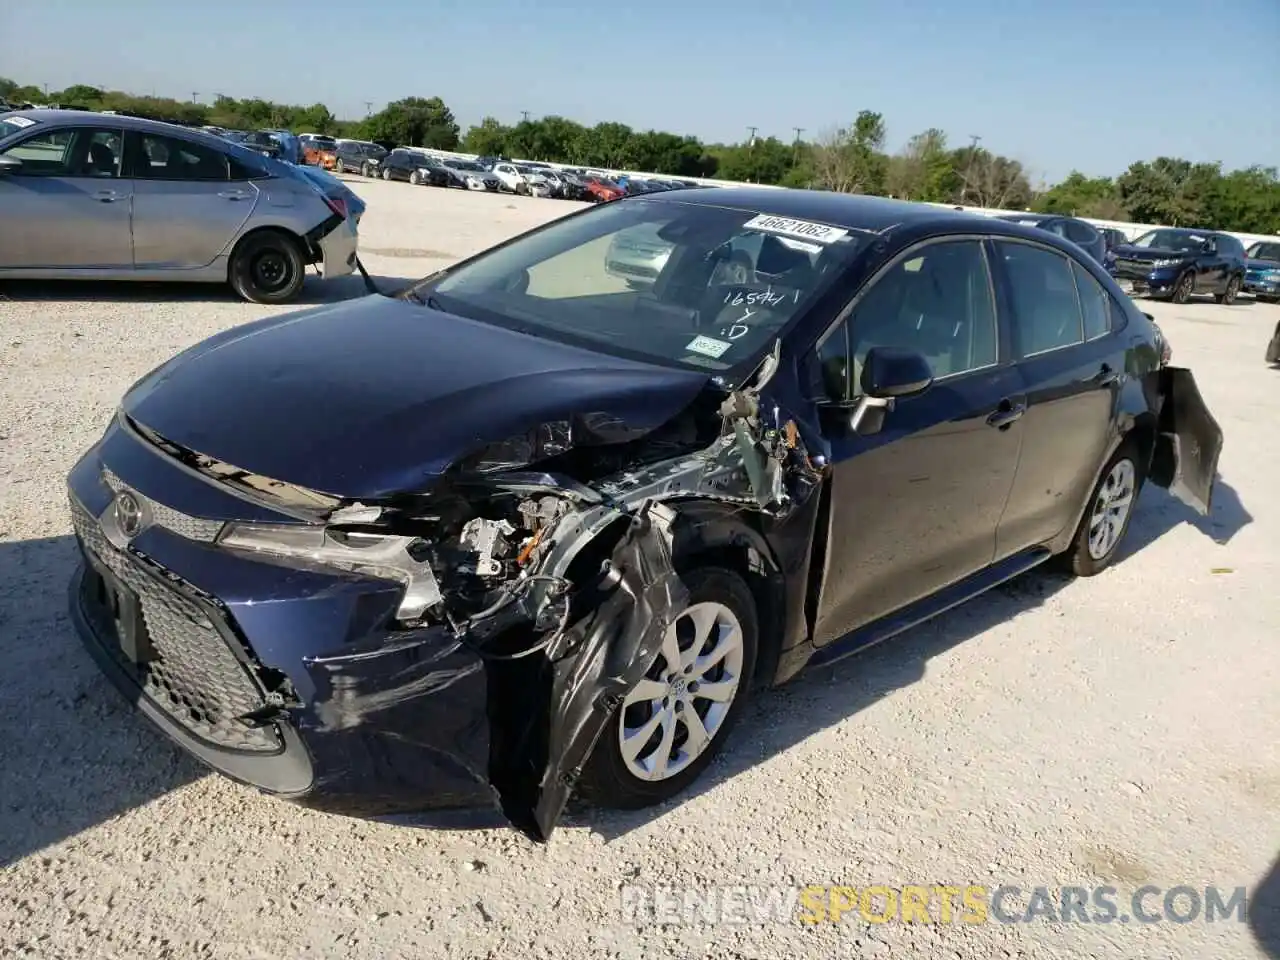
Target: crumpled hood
(375, 396)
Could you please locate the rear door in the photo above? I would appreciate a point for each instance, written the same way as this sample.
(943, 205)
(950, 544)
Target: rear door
(1072, 371)
(187, 207)
(67, 207)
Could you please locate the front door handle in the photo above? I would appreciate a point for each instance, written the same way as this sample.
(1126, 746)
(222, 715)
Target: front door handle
(108, 196)
(233, 195)
(1007, 414)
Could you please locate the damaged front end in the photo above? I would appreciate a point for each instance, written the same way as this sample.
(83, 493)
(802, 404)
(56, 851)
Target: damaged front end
(543, 594)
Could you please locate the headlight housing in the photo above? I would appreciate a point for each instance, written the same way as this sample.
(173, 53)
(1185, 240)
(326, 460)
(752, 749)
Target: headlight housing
(379, 555)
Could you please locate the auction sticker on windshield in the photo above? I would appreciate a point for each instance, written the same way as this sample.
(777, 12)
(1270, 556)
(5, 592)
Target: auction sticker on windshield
(804, 229)
(20, 122)
(708, 346)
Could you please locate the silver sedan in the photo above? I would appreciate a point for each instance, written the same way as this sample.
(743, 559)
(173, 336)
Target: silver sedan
(103, 197)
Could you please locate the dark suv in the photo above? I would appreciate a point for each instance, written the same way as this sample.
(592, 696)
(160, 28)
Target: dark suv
(353, 155)
(1175, 263)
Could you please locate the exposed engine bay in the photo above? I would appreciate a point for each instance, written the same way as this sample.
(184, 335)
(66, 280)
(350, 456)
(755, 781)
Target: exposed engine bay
(522, 549)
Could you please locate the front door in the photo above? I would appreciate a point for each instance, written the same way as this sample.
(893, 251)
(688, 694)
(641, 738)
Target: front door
(66, 206)
(915, 507)
(186, 209)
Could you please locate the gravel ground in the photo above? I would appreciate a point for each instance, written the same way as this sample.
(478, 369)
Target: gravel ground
(1115, 731)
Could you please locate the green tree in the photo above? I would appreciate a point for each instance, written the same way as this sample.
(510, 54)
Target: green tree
(767, 160)
(850, 159)
(923, 169)
(416, 122)
(1081, 196)
(488, 138)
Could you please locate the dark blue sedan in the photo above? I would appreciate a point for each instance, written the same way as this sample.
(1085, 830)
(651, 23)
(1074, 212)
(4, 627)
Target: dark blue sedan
(524, 530)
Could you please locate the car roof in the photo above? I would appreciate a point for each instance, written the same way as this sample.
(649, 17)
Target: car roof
(47, 119)
(853, 211)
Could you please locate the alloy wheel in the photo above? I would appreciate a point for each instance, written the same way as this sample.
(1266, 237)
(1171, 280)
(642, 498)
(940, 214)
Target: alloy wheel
(1111, 508)
(1233, 288)
(1182, 293)
(671, 716)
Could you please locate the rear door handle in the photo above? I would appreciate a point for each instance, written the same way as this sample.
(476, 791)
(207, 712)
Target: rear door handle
(108, 196)
(233, 195)
(1006, 414)
(1105, 376)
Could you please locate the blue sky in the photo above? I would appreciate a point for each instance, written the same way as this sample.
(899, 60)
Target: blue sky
(1085, 84)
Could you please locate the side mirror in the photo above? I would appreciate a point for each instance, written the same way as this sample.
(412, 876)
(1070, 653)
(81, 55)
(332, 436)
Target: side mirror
(9, 165)
(890, 373)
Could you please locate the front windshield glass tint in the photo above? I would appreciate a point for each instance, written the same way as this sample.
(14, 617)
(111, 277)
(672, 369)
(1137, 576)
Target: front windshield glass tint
(1180, 241)
(689, 284)
(1264, 251)
(13, 125)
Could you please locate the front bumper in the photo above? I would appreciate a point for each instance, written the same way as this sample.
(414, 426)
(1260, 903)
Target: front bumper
(1135, 279)
(287, 679)
(1261, 286)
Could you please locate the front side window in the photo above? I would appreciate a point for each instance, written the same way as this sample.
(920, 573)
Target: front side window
(650, 278)
(1179, 241)
(1046, 309)
(69, 152)
(936, 301)
(1079, 232)
(171, 158)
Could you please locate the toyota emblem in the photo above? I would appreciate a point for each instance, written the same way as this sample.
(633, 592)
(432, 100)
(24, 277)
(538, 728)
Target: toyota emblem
(128, 514)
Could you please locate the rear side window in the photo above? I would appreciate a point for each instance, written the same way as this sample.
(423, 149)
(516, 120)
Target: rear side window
(1046, 309)
(1095, 304)
(171, 158)
(1079, 232)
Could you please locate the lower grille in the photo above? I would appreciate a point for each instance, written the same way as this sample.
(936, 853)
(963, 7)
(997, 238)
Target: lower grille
(194, 677)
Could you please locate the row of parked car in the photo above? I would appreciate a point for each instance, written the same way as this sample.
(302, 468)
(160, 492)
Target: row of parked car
(419, 166)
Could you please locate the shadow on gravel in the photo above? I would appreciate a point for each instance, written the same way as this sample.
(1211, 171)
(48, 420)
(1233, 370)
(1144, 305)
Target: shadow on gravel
(1264, 912)
(779, 719)
(72, 752)
(314, 291)
(1159, 513)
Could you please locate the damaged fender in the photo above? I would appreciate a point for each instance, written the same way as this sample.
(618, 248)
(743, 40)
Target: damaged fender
(607, 653)
(1188, 443)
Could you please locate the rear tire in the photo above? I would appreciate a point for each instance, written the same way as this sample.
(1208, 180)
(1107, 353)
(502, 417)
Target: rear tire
(1106, 519)
(267, 267)
(1228, 296)
(729, 614)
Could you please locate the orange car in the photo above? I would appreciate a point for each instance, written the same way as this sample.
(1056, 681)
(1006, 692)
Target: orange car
(320, 151)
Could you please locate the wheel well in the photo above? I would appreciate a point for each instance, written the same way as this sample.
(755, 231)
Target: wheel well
(1143, 436)
(767, 587)
(289, 235)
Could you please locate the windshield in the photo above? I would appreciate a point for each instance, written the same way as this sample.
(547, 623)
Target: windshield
(1264, 251)
(1180, 241)
(691, 285)
(11, 125)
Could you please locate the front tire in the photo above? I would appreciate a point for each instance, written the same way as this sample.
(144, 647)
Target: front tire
(267, 267)
(386, 174)
(1185, 286)
(1106, 520)
(673, 723)
(414, 178)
